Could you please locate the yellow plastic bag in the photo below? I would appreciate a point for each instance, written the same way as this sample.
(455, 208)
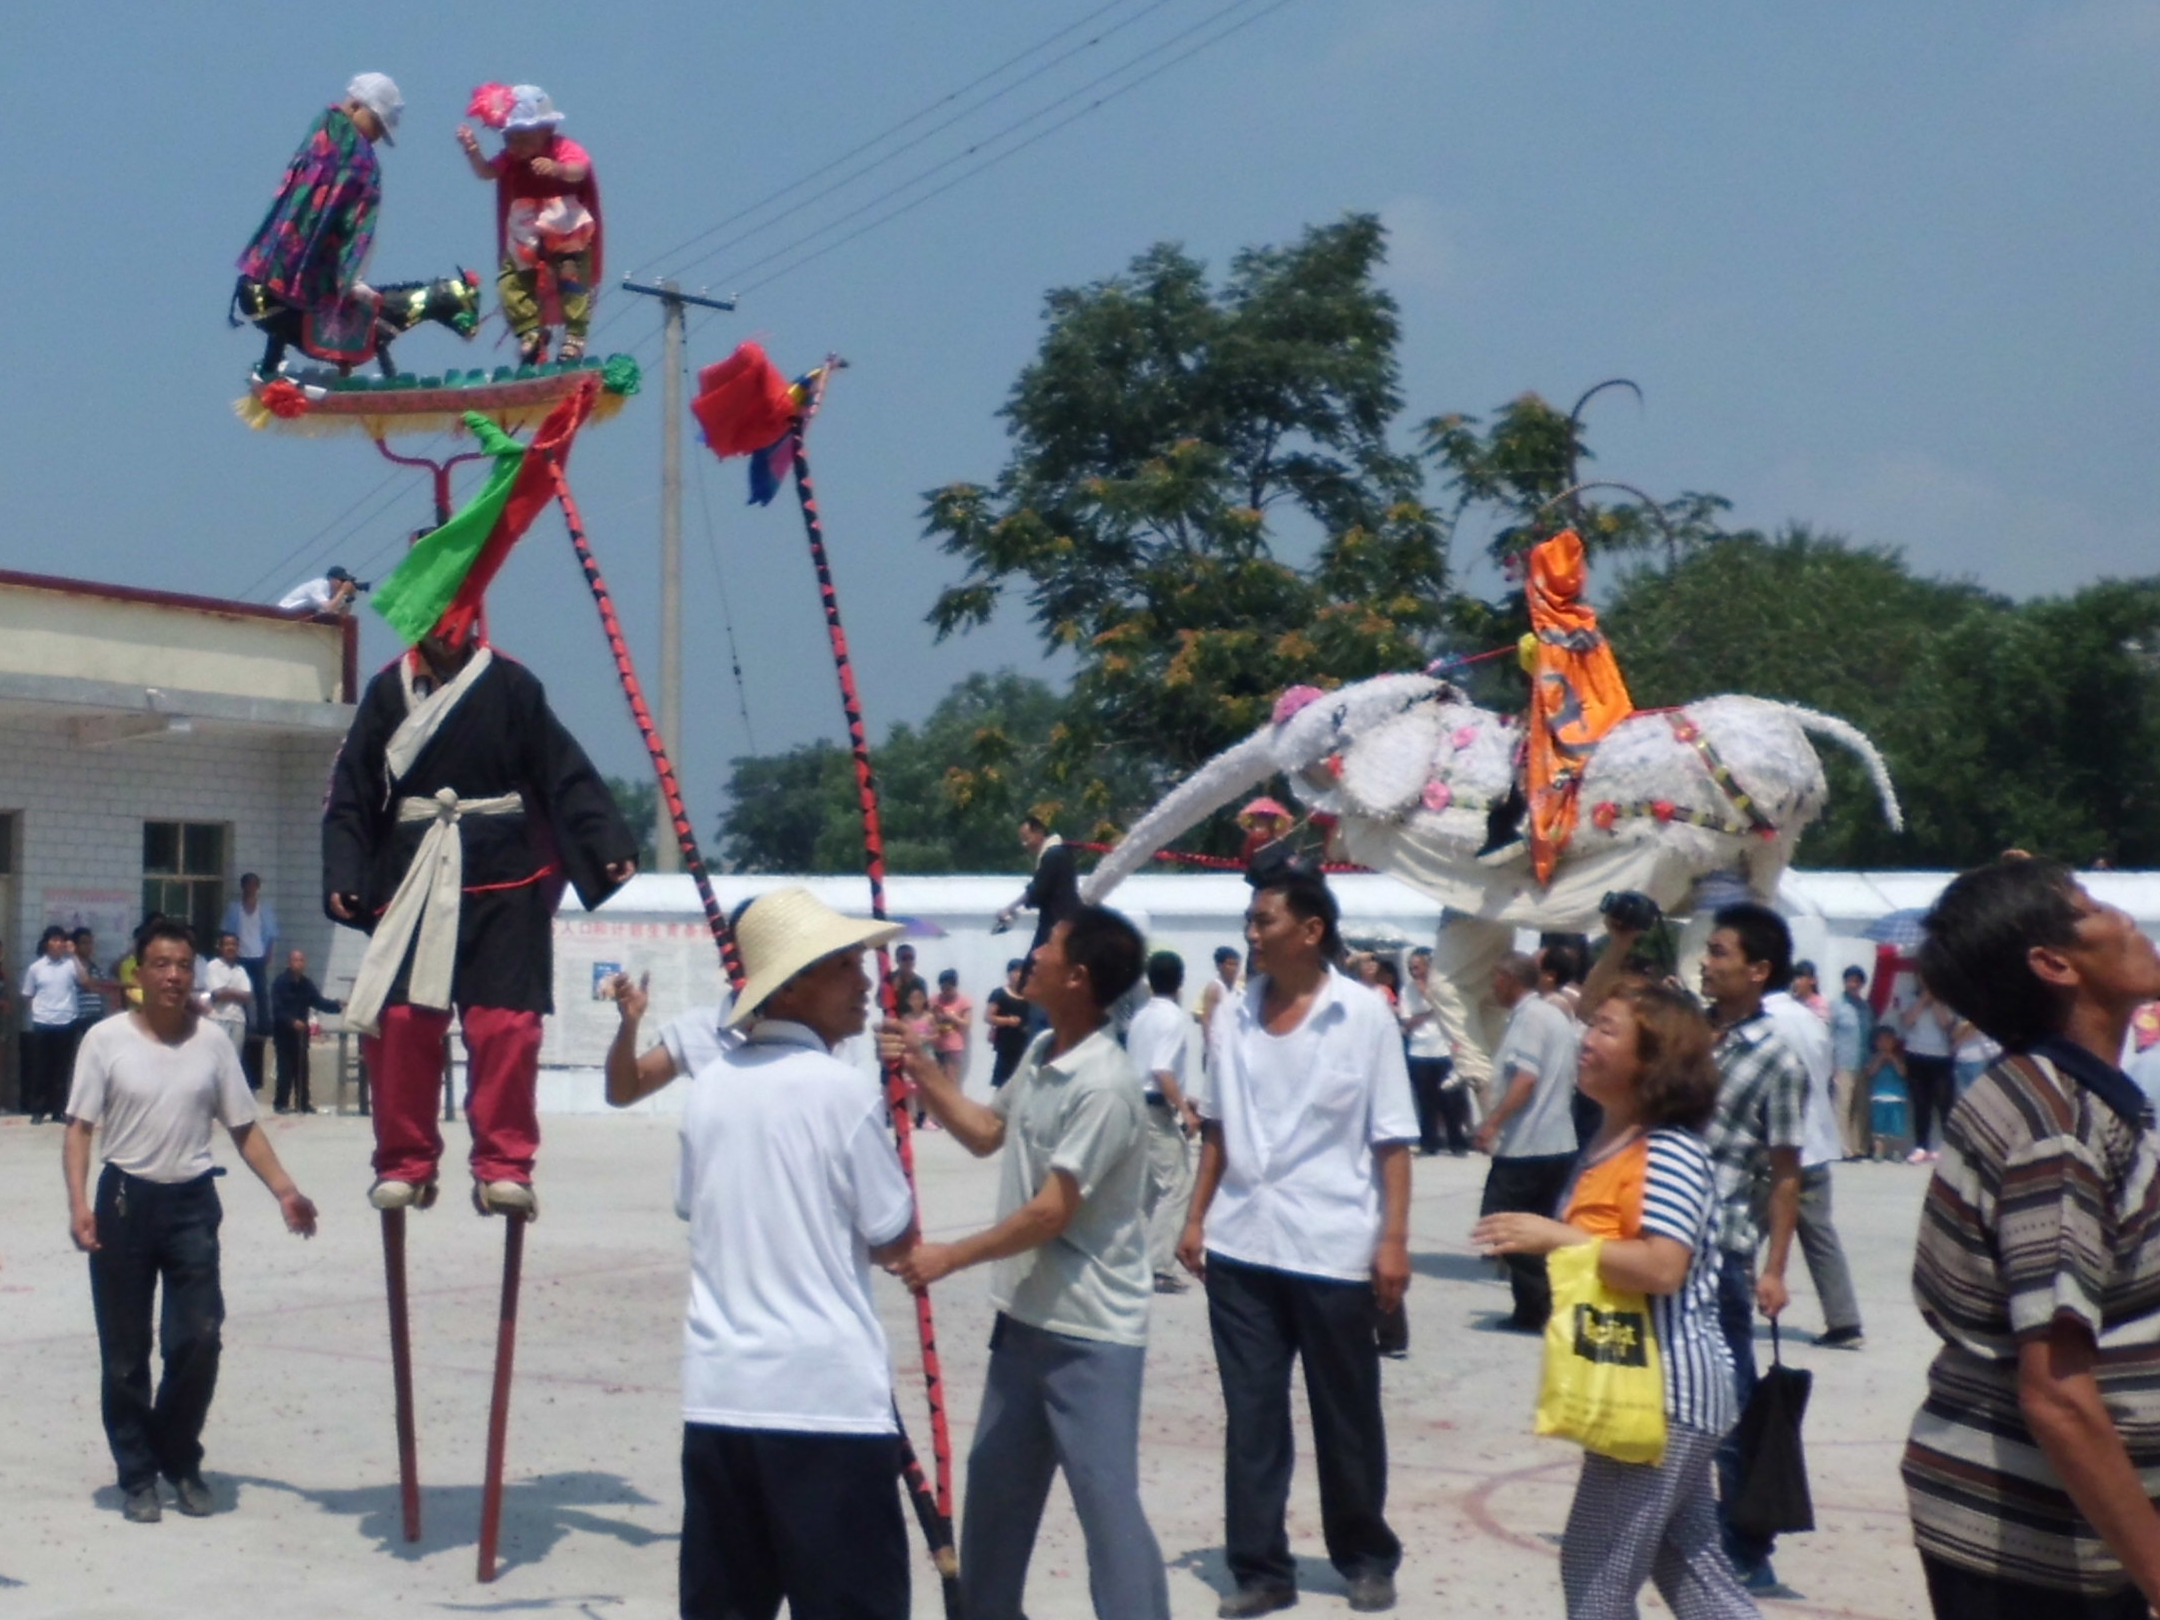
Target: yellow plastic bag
(1604, 1386)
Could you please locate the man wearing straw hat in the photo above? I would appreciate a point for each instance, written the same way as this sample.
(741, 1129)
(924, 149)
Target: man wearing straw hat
(792, 1187)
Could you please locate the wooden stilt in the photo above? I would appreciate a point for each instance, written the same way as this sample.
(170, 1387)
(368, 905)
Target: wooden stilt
(499, 1404)
(408, 1449)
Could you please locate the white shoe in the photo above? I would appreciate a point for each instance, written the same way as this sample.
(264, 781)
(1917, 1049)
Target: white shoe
(506, 1198)
(387, 1194)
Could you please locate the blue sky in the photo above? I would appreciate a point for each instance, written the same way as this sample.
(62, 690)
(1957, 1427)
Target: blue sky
(1889, 270)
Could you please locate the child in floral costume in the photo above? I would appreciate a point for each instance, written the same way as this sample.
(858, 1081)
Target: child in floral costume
(312, 245)
(547, 218)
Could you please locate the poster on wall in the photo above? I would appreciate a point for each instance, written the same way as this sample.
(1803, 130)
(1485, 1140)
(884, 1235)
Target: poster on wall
(676, 958)
(107, 913)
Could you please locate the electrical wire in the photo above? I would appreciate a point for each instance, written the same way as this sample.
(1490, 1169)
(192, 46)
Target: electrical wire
(886, 134)
(727, 616)
(991, 162)
(897, 152)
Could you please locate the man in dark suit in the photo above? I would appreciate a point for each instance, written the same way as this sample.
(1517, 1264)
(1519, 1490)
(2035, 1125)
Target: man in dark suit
(1053, 893)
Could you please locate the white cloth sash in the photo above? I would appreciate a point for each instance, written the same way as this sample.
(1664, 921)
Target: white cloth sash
(427, 903)
(424, 715)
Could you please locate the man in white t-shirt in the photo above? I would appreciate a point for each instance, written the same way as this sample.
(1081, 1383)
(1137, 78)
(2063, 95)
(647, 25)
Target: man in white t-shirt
(1157, 1041)
(148, 1086)
(1300, 1226)
(1070, 1283)
(229, 997)
(1530, 1132)
(792, 1188)
(1808, 1034)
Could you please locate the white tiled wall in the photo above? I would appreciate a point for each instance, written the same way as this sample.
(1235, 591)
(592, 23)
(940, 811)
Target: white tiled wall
(80, 813)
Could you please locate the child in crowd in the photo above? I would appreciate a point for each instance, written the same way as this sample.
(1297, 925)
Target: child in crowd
(921, 1026)
(949, 1015)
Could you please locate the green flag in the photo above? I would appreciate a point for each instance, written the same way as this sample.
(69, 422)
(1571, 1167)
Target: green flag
(423, 585)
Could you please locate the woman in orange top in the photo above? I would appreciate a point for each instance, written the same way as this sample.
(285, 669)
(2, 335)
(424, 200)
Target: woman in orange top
(1647, 1189)
(1576, 693)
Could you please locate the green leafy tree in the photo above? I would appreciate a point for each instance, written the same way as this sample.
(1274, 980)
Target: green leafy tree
(1202, 503)
(951, 792)
(639, 803)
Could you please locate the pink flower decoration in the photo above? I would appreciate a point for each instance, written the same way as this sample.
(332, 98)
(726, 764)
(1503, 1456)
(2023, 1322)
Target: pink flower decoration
(1294, 699)
(1437, 796)
(491, 104)
(1662, 809)
(1465, 736)
(1604, 814)
(1334, 766)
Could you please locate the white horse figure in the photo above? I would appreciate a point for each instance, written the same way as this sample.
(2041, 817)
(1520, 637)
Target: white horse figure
(1410, 769)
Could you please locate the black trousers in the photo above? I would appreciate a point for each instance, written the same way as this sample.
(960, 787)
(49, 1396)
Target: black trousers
(1426, 1077)
(809, 1519)
(1260, 1319)
(1932, 1083)
(1529, 1186)
(292, 1067)
(152, 1233)
(48, 1065)
(1957, 1593)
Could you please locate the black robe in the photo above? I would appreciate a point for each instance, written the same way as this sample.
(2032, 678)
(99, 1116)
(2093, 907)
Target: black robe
(501, 738)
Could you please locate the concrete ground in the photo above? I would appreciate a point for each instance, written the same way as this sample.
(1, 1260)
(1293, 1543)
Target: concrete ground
(302, 1454)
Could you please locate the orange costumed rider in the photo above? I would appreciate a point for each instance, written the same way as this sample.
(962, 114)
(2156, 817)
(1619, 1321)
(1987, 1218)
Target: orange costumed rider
(1576, 694)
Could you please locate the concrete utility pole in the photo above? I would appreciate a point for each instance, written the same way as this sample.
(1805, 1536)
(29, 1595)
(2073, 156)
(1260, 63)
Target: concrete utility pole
(673, 300)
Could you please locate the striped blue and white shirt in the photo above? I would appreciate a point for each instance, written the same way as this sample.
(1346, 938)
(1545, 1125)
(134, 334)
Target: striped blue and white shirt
(1680, 1202)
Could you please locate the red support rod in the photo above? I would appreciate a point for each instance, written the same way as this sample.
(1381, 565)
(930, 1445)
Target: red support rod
(491, 1490)
(408, 1447)
(655, 745)
(874, 867)
(440, 469)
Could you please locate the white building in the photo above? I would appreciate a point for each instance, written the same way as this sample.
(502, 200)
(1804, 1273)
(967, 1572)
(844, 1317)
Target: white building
(153, 747)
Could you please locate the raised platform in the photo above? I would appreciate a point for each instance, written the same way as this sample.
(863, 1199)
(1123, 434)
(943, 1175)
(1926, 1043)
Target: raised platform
(321, 401)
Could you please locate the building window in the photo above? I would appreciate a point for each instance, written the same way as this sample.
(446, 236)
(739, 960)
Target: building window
(184, 874)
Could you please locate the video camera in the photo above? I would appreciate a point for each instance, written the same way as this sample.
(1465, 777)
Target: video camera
(1630, 911)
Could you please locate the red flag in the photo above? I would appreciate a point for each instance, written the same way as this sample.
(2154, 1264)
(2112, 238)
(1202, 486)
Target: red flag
(743, 402)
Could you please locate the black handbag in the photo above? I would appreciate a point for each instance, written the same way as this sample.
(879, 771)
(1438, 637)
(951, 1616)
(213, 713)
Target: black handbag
(1773, 1495)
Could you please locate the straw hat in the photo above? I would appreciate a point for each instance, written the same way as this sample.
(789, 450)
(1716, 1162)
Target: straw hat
(783, 932)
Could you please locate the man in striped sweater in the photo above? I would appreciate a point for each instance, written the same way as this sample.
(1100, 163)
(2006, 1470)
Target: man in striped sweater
(2033, 1466)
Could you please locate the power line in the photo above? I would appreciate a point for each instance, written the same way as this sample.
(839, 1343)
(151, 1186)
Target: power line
(897, 152)
(727, 615)
(997, 158)
(887, 134)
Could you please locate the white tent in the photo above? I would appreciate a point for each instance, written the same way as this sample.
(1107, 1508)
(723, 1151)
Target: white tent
(656, 926)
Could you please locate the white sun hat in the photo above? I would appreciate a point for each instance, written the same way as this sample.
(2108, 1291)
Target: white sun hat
(378, 93)
(531, 109)
(783, 932)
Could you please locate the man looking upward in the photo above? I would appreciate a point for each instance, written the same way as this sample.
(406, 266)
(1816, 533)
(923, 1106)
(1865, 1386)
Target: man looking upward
(1300, 1224)
(1071, 1286)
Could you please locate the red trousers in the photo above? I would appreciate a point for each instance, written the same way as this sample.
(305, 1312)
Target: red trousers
(502, 1068)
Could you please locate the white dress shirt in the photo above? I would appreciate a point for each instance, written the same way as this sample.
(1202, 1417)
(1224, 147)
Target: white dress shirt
(1300, 1116)
(1810, 1037)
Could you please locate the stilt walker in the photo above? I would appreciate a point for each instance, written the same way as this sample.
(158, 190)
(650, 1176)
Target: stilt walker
(746, 407)
(459, 809)
(933, 1512)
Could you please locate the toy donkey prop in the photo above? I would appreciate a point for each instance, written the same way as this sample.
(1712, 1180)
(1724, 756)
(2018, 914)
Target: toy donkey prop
(451, 301)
